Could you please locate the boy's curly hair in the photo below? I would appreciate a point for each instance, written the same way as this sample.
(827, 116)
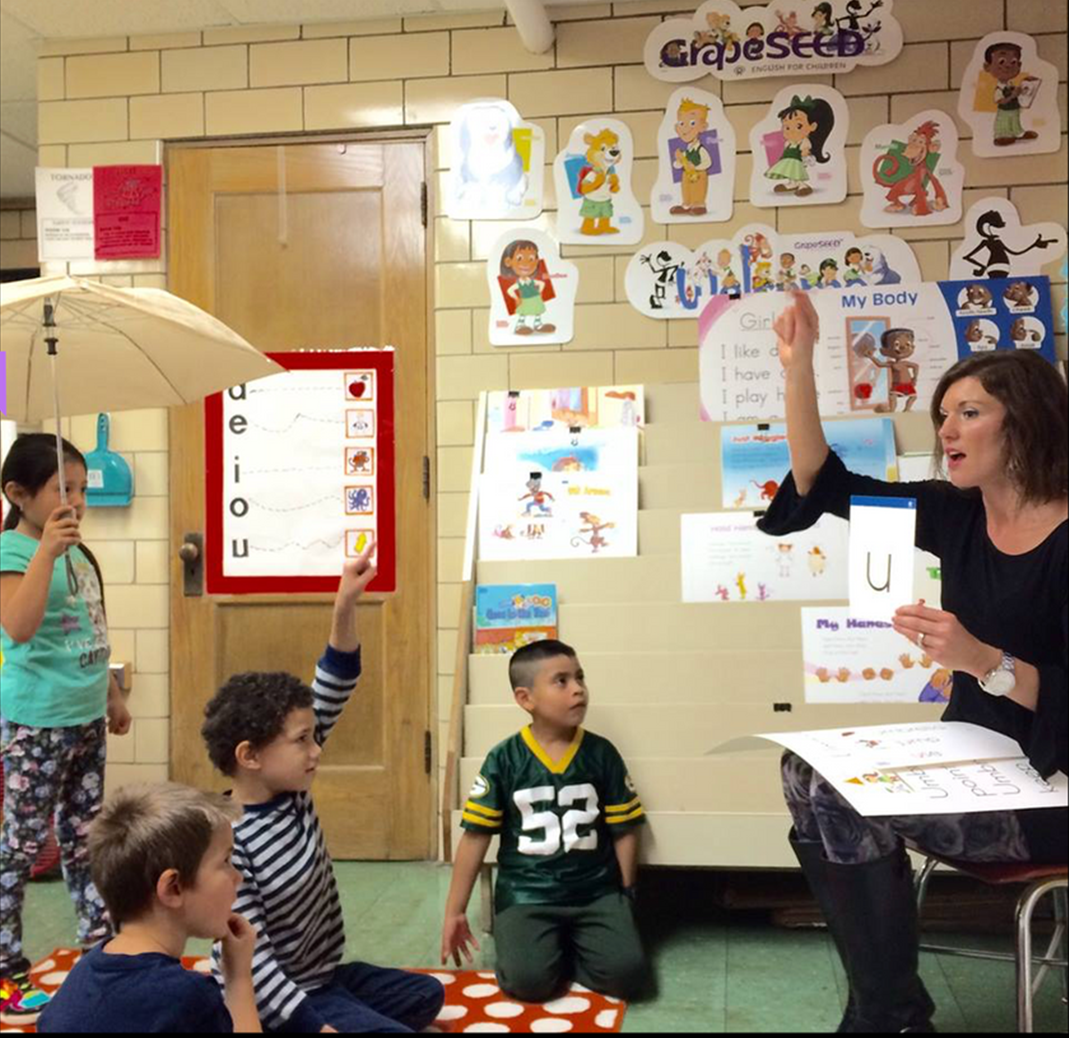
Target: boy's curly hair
(253, 708)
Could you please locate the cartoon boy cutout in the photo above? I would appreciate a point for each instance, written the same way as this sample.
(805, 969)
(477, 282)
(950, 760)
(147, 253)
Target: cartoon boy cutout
(898, 345)
(787, 279)
(692, 120)
(537, 495)
(725, 276)
(1003, 62)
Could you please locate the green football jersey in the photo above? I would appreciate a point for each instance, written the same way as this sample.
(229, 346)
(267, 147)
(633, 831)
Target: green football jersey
(556, 819)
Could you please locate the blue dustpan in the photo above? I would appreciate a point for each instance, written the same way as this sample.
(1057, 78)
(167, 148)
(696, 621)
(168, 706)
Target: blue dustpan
(111, 484)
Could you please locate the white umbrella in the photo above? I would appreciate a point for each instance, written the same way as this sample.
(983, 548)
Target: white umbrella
(122, 348)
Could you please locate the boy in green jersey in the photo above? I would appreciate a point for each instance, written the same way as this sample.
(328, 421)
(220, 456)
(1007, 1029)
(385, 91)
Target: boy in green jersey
(568, 815)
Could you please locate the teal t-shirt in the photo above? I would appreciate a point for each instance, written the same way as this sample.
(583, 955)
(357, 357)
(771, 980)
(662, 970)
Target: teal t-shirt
(59, 678)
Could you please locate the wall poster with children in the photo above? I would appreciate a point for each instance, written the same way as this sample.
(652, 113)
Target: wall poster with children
(559, 495)
(1009, 96)
(532, 290)
(882, 349)
(300, 474)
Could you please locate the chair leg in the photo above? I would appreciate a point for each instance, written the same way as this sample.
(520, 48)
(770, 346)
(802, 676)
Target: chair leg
(1026, 905)
(921, 886)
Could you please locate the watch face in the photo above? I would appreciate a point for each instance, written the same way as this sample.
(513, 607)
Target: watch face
(999, 682)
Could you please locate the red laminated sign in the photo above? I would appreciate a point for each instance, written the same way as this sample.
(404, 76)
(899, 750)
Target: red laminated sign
(126, 211)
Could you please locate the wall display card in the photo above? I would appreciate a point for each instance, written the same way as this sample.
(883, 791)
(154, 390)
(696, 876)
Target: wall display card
(729, 42)
(947, 768)
(561, 410)
(553, 496)
(882, 349)
(727, 559)
(595, 192)
(798, 148)
(498, 163)
(127, 211)
(667, 280)
(532, 290)
(997, 245)
(910, 173)
(300, 474)
(695, 161)
(1009, 96)
(510, 616)
(64, 214)
(755, 459)
(883, 531)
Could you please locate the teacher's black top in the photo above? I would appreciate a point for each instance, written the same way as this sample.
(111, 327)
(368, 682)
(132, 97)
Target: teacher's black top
(1017, 603)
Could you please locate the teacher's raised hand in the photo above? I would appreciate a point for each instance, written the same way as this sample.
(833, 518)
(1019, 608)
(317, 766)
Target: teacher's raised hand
(797, 329)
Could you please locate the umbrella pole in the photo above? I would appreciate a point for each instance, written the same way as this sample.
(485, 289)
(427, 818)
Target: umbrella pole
(61, 462)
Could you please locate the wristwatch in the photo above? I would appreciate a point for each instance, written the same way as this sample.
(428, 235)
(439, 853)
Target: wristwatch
(1001, 680)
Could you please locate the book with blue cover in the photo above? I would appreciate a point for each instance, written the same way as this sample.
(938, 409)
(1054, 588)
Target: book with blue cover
(509, 616)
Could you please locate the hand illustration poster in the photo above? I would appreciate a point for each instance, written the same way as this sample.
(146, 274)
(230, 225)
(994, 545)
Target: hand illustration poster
(498, 163)
(755, 459)
(798, 148)
(559, 496)
(300, 474)
(1009, 96)
(725, 558)
(561, 410)
(595, 193)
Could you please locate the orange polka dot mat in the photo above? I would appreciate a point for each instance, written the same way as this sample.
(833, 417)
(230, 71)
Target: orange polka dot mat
(473, 1003)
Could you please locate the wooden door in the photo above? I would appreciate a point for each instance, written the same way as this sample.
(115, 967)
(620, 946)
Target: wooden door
(340, 262)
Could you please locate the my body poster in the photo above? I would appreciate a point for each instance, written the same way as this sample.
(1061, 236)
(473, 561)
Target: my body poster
(559, 495)
(725, 558)
(882, 350)
(755, 459)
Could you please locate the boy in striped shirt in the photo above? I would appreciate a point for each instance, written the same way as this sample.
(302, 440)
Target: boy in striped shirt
(266, 731)
(568, 817)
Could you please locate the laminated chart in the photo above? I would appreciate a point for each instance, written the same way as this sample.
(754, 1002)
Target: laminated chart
(300, 474)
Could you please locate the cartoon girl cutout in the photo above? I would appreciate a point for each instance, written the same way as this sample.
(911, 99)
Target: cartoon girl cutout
(521, 261)
(829, 274)
(824, 20)
(806, 124)
(854, 275)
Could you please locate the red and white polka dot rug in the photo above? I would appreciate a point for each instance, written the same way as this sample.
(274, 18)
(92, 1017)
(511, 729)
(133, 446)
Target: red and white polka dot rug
(473, 1003)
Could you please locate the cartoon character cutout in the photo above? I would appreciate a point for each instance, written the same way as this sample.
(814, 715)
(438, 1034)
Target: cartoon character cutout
(536, 497)
(532, 291)
(998, 246)
(590, 533)
(910, 173)
(594, 188)
(1009, 96)
(897, 345)
(497, 163)
(798, 148)
(696, 151)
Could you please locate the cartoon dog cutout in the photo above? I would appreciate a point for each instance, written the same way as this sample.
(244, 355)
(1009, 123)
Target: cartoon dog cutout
(489, 170)
(599, 181)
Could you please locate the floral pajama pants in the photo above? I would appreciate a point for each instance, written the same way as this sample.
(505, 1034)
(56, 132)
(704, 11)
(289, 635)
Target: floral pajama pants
(48, 770)
(821, 815)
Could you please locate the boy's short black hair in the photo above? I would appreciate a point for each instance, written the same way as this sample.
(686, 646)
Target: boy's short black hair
(523, 667)
(253, 708)
(887, 336)
(989, 53)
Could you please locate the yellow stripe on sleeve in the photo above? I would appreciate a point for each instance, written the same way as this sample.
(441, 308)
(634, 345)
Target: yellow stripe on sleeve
(488, 811)
(623, 808)
(626, 818)
(476, 820)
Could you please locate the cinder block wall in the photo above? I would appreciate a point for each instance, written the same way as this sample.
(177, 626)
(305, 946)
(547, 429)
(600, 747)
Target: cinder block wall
(113, 100)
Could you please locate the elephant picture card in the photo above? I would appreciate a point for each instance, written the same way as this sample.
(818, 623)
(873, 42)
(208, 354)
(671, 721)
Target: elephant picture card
(497, 163)
(910, 173)
(1009, 96)
(595, 192)
(798, 148)
(696, 161)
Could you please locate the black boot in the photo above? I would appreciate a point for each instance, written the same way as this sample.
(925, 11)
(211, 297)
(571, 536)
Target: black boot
(811, 857)
(872, 909)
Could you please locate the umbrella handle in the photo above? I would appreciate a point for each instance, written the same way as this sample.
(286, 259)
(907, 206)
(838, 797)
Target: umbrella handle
(103, 431)
(61, 461)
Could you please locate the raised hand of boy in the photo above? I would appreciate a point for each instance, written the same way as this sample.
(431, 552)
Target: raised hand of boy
(355, 578)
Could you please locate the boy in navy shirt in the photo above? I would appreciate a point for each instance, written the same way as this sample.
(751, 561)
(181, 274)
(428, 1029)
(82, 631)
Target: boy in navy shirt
(161, 862)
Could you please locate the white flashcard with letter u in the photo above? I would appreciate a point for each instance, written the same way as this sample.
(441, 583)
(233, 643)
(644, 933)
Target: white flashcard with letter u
(882, 532)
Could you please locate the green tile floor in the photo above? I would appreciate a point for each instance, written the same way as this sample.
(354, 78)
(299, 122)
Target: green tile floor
(717, 970)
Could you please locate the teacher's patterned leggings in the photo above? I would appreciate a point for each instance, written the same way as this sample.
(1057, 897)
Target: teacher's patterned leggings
(821, 815)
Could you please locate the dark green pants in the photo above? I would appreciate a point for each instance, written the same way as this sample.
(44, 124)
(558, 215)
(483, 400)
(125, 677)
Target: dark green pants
(541, 949)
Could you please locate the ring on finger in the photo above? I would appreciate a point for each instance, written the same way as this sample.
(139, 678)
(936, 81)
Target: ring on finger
(920, 640)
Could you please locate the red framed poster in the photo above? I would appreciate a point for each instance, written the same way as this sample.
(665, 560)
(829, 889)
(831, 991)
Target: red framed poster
(299, 471)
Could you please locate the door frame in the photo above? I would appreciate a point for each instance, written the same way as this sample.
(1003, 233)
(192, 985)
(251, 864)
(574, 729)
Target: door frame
(424, 136)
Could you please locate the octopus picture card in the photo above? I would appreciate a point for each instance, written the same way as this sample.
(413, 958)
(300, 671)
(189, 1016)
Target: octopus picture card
(497, 163)
(695, 161)
(998, 245)
(1009, 96)
(798, 148)
(532, 290)
(730, 42)
(910, 173)
(595, 192)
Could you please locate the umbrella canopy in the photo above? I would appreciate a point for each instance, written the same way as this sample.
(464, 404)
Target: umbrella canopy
(119, 348)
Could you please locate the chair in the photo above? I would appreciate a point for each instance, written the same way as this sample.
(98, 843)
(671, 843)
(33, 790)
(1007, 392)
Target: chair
(1041, 880)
